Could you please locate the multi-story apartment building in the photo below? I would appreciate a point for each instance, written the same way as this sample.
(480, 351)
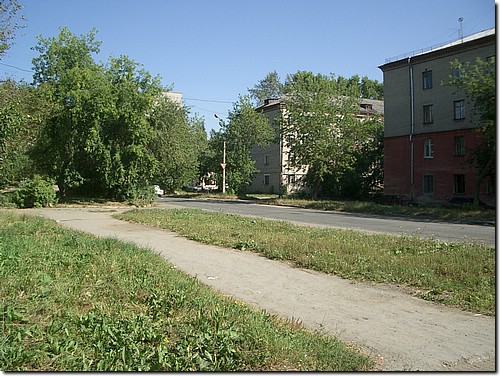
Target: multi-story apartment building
(429, 126)
(275, 171)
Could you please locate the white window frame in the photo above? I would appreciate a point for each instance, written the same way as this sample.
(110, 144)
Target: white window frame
(427, 80)
(459, 147)
(428, 148)
(267, 179)
(459, 109)
(428, 184)
(428, 114)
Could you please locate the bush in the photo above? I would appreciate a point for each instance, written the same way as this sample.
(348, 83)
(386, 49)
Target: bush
(35, 193)
(140, 195)
(7, 199)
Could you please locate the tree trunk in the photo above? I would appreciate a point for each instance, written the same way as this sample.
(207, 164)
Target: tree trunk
(315, 190)
(482, 174)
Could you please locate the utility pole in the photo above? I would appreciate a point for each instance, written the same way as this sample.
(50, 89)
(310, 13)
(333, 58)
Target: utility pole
(223, 164)
(224, 168)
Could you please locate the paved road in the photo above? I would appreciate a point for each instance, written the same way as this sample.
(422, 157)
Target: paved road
(449, 232)
(402, 332)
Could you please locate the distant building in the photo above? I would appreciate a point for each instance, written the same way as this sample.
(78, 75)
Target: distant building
(275, 170)
(174, 96)
(429, 126)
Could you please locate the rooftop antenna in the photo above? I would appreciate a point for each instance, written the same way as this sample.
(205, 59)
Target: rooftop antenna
(461, 31)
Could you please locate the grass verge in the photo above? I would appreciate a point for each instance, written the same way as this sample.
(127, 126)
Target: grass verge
(74, 302)
(456, 274)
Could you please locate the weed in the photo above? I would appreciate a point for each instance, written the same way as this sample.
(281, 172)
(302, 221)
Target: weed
(73, 302)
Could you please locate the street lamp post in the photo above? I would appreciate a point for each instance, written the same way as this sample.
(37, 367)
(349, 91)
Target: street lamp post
(223, 164)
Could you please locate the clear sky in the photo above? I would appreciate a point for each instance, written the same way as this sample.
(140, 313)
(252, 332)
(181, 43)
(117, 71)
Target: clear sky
(212, 51)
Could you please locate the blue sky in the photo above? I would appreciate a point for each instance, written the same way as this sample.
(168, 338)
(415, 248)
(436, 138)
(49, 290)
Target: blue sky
(212, 51)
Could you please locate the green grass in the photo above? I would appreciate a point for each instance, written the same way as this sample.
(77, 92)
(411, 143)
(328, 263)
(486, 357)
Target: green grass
(456, 274)
(74, 302)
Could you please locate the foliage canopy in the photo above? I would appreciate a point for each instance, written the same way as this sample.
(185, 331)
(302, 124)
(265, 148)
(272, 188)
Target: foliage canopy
(478, 80)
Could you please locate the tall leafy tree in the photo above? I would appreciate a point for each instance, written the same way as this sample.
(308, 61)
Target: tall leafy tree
(371, 88)
(320, 126)
(10, 22)
(21, 116)
(128, 132)
(177, 144)
(97, 135)
(269, 87)
(244, 129)
(67, 74)
(364, 177)
(478, 80)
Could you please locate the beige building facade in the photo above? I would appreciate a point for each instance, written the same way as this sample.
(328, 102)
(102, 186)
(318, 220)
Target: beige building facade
(429, 125)
(276, 174)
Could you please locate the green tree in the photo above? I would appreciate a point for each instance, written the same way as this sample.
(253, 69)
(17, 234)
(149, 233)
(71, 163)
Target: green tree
(320, 126)
(177, 144)
(269, 87)
(478, 81)
(128, 131)
(244, 129)
(371, 89)
(364, 87)
(97, 135)
(364, 178)
(66, 74)
(10, 22)
(21, 115)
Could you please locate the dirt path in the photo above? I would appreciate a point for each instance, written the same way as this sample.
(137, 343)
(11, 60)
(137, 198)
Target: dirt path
(401, 332)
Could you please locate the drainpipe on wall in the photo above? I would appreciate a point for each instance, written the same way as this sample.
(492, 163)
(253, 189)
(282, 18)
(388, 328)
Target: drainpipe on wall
(412, 130)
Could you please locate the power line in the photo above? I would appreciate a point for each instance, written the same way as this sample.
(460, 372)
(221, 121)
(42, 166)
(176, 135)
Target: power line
(208, 100)
(13, 66)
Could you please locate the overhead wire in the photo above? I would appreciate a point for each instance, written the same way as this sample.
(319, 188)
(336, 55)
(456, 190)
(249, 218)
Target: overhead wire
(186, 98)
(13, 66)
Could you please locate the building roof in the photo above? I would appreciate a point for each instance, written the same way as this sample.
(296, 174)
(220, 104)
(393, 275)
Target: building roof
(436, 49)
(366, 106)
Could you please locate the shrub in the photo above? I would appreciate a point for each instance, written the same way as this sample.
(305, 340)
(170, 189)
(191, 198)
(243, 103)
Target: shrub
(140, 195)
(7, 199)
(35, 193)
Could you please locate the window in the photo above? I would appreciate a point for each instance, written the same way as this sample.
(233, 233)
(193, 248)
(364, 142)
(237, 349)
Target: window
(459, 109)
(428, 149)
(456, 72)
(491, 186)
(266, 159)
(291, 179)
(266, 179)
(428, 183)
(427, 79)
(459, 146)
(458, 184)
(428, 114)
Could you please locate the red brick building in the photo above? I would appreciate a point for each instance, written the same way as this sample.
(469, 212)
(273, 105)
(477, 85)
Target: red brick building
(429, 126)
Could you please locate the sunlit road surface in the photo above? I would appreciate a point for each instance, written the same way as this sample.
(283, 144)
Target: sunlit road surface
(448, 232)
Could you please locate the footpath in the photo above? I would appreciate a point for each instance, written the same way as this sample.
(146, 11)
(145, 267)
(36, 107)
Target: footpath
(401, 332)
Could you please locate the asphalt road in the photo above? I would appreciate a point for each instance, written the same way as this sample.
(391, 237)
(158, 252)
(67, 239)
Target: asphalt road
(449, 232)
